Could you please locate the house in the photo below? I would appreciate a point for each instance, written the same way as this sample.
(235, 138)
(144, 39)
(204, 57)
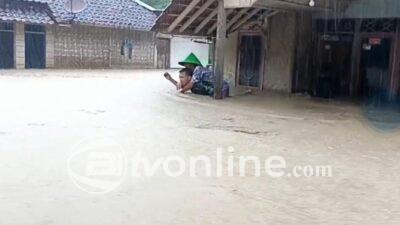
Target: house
(106, 34)
(327, 48)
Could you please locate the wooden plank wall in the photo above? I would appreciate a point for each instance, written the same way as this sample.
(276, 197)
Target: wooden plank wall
(302, 75)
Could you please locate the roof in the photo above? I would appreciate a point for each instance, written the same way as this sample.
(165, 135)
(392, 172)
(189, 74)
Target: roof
(109, 13)
(30, 12)
(199, 18)
(39, 1)
(151, 8)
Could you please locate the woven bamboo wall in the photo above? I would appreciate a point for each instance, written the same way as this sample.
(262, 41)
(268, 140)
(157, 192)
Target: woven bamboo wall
(143, 49)
(95, 47)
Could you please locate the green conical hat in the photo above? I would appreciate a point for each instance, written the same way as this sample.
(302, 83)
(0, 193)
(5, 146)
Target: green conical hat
(192, 59)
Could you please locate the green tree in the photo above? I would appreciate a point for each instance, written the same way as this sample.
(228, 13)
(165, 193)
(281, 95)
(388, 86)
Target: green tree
(158, 4)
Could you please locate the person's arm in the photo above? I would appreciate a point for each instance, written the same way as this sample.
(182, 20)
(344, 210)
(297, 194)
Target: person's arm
(187, 87)
(174, 82)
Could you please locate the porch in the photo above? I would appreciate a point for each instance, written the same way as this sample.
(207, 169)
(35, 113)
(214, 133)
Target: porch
(327, 49)
(245, 37)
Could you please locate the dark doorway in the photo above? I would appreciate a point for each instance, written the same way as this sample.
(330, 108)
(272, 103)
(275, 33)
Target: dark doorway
(374, 69)
(35, 47)
(335, 66)
(250, 60)
(6, 45)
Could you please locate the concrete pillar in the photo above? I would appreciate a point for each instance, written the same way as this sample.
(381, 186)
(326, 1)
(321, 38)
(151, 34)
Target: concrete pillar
(19, 45)
(219, 50)
(50, 41)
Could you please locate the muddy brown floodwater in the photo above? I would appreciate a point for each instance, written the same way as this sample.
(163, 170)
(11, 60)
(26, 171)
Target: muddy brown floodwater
(44, 115)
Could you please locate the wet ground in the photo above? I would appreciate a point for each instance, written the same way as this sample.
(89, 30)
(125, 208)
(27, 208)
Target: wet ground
(46, 115)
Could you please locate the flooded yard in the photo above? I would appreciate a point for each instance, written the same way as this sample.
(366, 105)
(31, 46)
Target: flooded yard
(46, 115)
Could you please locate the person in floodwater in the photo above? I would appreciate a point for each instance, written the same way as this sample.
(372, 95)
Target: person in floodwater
(202, 79)
(185, 76)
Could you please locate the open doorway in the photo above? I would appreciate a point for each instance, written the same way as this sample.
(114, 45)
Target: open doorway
(335, 52)
(35, 46)
(250, 60)
(375, 69)
(6, 45)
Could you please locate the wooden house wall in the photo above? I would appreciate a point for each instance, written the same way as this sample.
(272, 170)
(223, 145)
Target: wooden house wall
(366, 9)
(303, 71)
(373, 9)
(280, 48)
(307, 71)
(280, 54)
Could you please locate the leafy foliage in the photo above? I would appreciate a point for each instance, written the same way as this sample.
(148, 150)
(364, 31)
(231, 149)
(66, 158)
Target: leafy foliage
(158, 4)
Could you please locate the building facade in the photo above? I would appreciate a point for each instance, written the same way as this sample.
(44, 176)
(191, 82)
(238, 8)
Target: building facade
(106, 34)
(333, 49)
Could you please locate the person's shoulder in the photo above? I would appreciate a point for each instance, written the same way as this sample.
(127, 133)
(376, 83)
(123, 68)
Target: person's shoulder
(202, 69)
(198, 68)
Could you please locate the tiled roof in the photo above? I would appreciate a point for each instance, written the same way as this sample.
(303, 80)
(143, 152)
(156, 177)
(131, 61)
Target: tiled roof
(31, 12)
(40, 1)
(110, 13)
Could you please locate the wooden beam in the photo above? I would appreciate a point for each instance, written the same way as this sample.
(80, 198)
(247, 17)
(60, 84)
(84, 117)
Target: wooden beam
(196, 15)
(214, 26)
(289, 4)
(253, 22)
(239, 3)
(187, 10)
(236, 17)
(219, 51)
(206, 21)
(246, 18)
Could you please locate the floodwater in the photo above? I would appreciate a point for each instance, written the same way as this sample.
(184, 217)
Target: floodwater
(45, 116)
